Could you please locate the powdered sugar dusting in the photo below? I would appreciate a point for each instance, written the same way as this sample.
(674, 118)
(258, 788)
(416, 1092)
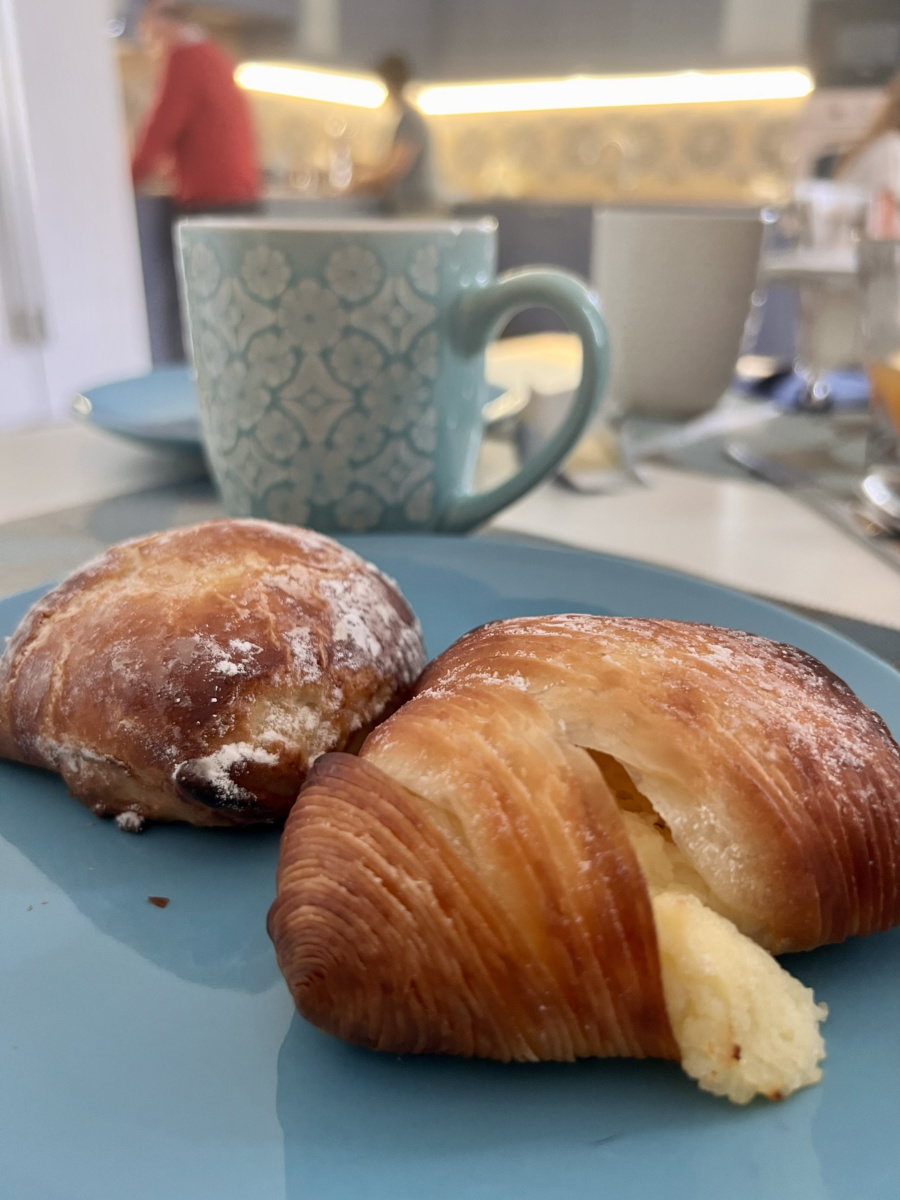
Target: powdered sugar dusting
(63, 757)
(235, 657)
(353, 627)
(303, 651)
(130, 821)
(367, 627)
(216, 768)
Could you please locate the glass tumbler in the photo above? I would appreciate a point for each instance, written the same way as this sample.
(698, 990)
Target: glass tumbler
(879, 278)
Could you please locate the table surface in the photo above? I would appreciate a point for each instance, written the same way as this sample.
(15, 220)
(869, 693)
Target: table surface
(67, 491)
(744, 534)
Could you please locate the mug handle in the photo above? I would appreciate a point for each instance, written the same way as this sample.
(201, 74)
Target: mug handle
(475, 318)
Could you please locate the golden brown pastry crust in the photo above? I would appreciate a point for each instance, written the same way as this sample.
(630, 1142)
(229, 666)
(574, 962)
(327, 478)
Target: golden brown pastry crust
(194, 675)
(777, 782)
(467, 885)
(391, 938)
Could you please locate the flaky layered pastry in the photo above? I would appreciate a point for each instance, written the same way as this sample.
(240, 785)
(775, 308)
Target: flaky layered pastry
(195, 675)
(587, 836)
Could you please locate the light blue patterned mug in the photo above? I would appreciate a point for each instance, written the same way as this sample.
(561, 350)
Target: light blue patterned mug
(340, 367)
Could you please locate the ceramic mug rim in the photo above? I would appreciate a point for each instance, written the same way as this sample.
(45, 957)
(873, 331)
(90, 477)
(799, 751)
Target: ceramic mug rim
(751, 214)
(364, 225)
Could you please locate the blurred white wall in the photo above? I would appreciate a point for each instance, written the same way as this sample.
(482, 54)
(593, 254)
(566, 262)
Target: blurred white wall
(764, 31)
(57, 63)
(510, 37)
(369, 29)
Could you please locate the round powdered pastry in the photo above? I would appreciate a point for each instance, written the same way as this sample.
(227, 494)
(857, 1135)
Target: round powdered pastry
(195, 675)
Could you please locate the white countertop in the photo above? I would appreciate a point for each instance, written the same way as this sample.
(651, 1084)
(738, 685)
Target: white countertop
(47, 468)
(745, 535)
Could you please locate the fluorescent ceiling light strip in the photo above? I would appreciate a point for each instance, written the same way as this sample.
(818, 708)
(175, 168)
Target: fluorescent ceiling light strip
(533, 95)
(687, 87)
(307, 84)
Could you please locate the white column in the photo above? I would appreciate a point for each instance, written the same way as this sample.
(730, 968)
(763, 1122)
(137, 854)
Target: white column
(319, 28)
(763, 31)
(83, 207)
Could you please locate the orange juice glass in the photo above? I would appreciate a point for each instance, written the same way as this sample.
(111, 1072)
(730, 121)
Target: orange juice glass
(879, 276)
(884, 382)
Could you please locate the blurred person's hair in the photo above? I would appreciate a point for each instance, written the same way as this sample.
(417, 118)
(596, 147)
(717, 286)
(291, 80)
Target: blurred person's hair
(886, 120)
(395, 71)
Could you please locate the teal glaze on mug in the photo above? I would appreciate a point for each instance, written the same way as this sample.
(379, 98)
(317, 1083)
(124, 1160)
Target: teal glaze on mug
(340, 367)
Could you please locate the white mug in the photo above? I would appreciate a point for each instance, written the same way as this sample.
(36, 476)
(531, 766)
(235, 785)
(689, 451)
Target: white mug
(675, 288)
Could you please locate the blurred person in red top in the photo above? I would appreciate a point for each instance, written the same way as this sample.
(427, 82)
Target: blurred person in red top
(200, 125)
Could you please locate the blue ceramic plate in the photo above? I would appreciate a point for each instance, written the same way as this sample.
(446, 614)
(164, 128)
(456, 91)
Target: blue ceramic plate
(159, 408)
(153, 1054)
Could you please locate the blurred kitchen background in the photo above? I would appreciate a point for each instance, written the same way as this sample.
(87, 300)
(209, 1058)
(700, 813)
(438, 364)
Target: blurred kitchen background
(82, 262)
